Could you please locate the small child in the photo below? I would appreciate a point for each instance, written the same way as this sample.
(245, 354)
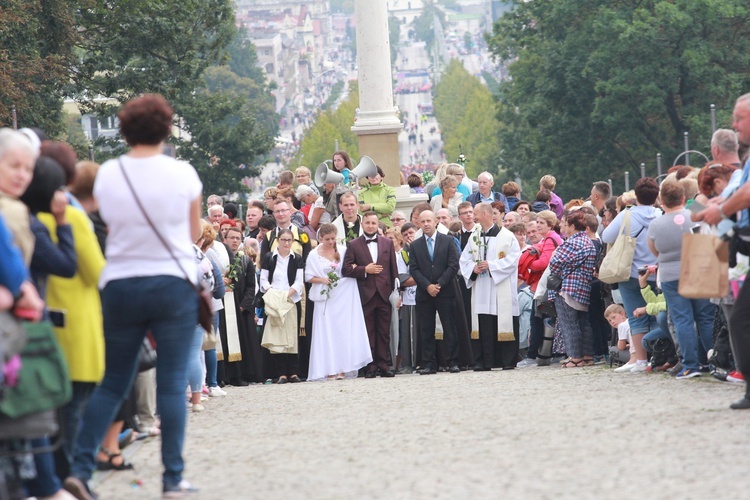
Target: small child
(615, 315)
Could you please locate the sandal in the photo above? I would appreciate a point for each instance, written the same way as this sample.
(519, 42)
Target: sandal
(340, 376)
(294, 379)
(565, 361)
(588, 361)
(105, 465)
(574, 364)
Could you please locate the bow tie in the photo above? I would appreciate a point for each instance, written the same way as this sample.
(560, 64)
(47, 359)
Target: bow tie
(372, 240)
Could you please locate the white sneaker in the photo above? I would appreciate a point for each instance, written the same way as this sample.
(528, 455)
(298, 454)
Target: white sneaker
(197, 407)
(216, 391)
(625, 368)
(204, 397)
(526, 362)
(639, 368)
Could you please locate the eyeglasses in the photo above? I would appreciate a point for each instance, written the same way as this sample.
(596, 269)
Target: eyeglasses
(396, 219)
(286, 240)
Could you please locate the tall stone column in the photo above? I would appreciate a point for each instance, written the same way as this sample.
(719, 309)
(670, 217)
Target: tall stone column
(376, 123)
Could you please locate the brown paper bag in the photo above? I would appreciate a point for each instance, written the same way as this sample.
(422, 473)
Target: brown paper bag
(704, 270)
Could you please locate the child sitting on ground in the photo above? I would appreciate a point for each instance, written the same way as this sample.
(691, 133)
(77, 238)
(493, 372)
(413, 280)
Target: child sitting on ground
(658, 342)
(616, 316)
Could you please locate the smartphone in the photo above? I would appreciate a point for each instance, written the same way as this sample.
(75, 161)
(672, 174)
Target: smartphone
(57, 317)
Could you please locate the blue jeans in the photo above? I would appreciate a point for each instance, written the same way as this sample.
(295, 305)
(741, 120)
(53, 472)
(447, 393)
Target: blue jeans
(195, 367)
(687, 314)
(630, 291)
(46, 482)
(168, 307)
(660, 332)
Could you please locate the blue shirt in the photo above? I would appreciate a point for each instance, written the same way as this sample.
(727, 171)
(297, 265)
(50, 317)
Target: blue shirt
(12, 268)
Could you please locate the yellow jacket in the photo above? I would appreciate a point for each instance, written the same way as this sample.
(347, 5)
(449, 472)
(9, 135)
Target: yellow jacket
(82, 338)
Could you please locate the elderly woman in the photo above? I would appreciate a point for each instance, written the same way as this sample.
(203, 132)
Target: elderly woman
(457, 171)
(450, 198)
(148, 284)
(304, 178)
(574, 262)
(317, 214)
(693, 318)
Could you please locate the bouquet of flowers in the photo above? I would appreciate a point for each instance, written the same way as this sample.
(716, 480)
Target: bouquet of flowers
(481, 252)
(350, 232)
(334, 277)
(234, 269)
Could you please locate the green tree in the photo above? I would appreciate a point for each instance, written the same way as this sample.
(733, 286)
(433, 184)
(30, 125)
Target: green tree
(330, 126)
(36, 39)
(131, 47)
(597, 87)
(394, 35)
(424, 25)
(467, 115)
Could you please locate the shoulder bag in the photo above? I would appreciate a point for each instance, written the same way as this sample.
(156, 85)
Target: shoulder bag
(617, 263)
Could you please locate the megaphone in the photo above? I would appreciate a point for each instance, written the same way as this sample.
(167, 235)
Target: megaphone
(365, 168)
(324, 175)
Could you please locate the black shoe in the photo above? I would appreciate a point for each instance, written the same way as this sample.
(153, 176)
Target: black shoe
(294, 379)
(386, 373)
(480, 368)
(282, 380)
(370, 374)
(238, 382)
(512, 367)
(742, 404)
(426, 371)
(454, 369)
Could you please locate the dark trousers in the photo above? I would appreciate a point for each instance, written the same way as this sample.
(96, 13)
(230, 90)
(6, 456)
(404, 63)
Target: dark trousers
(286, 364)
(426, 310)
(599, 325)
(378, 321)
(739, 331)
(488, 352)
(536, 336)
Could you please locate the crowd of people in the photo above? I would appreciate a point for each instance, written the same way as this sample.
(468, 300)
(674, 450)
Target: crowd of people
(332, 282)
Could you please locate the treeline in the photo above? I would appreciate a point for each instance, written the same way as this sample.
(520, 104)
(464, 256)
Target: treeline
(101, 54)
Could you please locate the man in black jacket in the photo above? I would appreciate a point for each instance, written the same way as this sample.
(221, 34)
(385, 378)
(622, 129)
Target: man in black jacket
(433, 263)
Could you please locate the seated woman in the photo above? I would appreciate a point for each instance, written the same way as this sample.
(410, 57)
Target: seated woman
(450, 198)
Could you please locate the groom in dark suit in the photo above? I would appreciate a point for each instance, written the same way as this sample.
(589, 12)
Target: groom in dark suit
(371, 259)
(433, 263)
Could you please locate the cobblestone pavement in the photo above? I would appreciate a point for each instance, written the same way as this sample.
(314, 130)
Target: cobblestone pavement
(528, 433)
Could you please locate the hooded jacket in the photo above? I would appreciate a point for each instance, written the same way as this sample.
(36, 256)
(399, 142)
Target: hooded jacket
(640, 218)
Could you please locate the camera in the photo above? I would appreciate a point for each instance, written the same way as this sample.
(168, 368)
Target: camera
(646, 270)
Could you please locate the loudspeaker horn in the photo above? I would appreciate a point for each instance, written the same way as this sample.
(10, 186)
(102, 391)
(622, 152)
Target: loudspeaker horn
(324, 175)
(365, 168)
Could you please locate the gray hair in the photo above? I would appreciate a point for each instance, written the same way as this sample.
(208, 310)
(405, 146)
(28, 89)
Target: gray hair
(216, 197)
(215, 208)
(303, 191)
(488, 175)
(11, 139)
(726, 140)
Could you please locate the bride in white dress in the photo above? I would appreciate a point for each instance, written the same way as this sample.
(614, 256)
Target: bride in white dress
(340, 345)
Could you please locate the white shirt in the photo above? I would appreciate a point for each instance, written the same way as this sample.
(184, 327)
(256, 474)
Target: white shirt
(410, 292)
(165, 187)
(373, 248)
(281, 279)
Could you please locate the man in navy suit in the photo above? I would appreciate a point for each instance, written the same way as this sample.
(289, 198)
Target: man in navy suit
(433, 263)
(371, 260)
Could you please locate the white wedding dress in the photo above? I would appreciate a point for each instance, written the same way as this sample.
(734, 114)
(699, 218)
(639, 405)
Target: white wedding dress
(339, 335)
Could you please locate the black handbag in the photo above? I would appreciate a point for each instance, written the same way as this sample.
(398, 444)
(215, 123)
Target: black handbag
(554, 282)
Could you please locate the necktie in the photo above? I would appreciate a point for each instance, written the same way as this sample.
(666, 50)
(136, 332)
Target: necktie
(430, 248)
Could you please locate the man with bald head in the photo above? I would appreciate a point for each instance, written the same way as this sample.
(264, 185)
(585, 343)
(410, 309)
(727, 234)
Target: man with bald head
(444, 217)
(433, 263)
